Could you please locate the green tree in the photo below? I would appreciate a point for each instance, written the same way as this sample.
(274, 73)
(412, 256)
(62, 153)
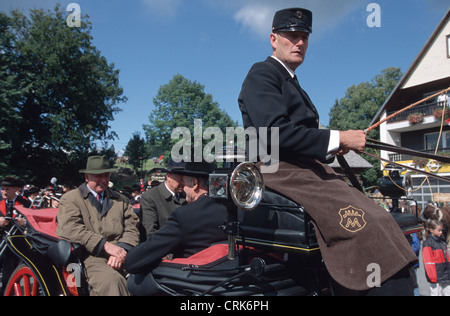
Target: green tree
(58, 94)
(178, 104)
(360, 105)
(135, 151)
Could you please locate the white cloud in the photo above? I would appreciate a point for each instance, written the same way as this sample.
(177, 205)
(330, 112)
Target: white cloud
(257, 18)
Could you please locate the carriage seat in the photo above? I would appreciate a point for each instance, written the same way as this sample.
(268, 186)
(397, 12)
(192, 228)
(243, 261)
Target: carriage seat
(278, 222)
(408, 222)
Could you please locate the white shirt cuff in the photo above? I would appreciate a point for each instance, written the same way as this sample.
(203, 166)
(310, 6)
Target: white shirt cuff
(333, 145)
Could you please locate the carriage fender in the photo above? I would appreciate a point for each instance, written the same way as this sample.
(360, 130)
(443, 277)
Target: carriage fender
(47, 274)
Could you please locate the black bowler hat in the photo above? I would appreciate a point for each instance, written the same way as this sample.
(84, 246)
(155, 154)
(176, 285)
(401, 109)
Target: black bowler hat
(172, 166)
(293, 20)
(10, 182)
(197, 169)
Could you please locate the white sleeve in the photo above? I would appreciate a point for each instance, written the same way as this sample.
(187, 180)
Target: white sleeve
(333, 145)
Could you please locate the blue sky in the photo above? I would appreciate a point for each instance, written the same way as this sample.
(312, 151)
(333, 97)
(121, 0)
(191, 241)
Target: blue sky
(215, 42)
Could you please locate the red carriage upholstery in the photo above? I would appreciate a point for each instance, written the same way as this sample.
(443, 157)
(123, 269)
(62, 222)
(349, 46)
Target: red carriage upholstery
(43, 220)
(205, 257)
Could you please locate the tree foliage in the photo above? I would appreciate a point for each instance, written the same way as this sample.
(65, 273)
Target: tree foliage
(178, 104)
(57, 94)
(360, 105)
(135, 151)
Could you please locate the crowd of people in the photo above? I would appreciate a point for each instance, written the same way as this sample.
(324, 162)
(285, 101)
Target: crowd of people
(49, 197)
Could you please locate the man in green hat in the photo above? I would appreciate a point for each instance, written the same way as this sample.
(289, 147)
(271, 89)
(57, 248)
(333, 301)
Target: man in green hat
(103, 221)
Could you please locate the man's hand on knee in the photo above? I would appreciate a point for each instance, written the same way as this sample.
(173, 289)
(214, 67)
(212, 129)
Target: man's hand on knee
(115, 263)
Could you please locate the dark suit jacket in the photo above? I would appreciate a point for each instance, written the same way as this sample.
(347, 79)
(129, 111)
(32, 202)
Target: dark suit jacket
(190, 229)
(156, 206)
(270, 97)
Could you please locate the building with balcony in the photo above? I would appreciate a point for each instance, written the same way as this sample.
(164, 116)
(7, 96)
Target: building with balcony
(423, 127)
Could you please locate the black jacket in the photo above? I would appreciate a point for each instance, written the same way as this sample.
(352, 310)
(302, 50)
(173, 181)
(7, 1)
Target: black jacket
(189, 229)
(270, 97)
(156, 206)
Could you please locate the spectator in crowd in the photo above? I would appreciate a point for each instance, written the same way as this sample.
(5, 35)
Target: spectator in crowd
(436, 259)
(158, 203)
(9, 188)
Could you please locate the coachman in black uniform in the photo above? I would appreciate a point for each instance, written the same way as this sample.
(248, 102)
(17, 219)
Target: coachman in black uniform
(353, 232)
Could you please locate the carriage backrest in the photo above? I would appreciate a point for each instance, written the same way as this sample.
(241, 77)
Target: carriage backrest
(42, 220)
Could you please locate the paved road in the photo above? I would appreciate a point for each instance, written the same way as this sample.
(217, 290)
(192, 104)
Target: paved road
(424, 286)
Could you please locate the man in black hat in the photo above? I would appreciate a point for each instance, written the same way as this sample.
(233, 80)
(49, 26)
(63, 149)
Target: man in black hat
(352, 231)
(9, 187)
(158, 203)
(189, 230)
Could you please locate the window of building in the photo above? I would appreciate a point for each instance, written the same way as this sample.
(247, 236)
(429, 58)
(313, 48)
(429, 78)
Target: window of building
(423, 194)
(448, 46)
(432, 139)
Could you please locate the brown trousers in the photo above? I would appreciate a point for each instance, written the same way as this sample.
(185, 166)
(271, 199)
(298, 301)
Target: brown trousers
(353, 232)
(104, 280)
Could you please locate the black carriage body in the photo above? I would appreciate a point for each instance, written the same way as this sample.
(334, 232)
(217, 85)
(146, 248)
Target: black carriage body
(277, 254)
(278, 224)
(277, 228)
(51, 280)
(252, 273)
(48, 258)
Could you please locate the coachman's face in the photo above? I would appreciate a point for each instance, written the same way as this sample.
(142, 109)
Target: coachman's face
(290, 47)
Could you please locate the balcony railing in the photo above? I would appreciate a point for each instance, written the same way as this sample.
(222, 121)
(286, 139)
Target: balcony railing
(402, 157)
(426, 110)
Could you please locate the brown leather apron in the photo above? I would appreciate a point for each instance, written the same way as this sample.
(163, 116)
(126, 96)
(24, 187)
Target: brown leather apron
(353, 232)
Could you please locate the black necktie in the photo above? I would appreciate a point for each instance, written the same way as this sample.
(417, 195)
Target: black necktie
(296, 80)
(9, 208)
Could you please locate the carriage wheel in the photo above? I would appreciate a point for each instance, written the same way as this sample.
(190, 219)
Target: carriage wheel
(22, 283)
